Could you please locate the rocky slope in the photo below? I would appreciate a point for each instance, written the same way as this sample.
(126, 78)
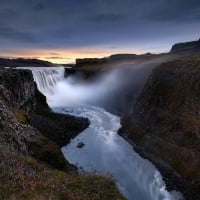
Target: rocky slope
(31, 163)
(165, 124)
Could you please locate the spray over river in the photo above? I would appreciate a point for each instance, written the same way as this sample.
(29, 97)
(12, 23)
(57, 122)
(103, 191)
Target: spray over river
(103, 150)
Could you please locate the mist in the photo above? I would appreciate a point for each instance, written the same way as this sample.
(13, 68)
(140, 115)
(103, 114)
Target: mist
(115, 90)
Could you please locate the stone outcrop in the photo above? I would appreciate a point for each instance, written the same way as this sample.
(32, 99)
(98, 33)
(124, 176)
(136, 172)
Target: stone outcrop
(18, 89)
(15, 102)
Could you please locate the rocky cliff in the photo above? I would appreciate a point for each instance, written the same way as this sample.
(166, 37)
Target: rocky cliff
(186, 47)
(31, 163)
(17, 96)
(165, 126)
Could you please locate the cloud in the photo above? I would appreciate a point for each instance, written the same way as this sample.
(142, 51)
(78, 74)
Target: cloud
(13, 34)
(181, 11)
(50, 24)
(24, 57)
(54, 54)
(106, 18)
(56, 57)
(39, 7)
(8, 13)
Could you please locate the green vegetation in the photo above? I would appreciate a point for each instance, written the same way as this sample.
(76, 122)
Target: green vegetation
(24, 178)
(91, 67)
(48, 152)
(20, 115)
(131, 130)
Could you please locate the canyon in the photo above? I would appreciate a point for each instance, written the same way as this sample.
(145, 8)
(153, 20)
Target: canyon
(157, 98)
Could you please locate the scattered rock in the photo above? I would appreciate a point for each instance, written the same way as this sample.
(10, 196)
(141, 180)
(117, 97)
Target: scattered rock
(80, 145)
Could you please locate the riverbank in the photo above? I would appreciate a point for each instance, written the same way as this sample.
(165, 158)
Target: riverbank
(172, 180)
(31, 163)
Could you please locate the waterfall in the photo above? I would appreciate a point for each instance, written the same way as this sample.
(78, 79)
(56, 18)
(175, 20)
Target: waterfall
(47, 78)
(104, 151)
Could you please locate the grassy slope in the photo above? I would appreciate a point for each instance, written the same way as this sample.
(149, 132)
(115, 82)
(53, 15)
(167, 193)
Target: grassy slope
(23, 177)
(169, 125)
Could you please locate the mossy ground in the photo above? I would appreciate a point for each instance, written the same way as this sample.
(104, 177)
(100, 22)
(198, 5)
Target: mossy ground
(20, 115)
(91, 67)
(48, 152)
(131, 130)
(24, 178)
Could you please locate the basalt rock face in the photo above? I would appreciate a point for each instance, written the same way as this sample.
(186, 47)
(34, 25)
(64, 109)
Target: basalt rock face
(17, 97)
(165, 126)
(27, 122)
(18, 89)
(20, 99)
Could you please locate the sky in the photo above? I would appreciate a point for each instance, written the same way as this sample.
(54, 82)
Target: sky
(62, 30)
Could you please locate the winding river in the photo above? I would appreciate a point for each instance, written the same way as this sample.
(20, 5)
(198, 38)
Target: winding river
(102, 149)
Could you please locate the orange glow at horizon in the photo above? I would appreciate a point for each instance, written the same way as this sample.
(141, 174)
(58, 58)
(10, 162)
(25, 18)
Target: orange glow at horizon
(63, 56)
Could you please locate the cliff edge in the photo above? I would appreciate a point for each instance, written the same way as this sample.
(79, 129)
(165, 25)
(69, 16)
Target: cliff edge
(186, 47)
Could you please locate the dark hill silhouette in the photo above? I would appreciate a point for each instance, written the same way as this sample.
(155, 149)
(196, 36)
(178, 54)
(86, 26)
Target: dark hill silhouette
(186, 47)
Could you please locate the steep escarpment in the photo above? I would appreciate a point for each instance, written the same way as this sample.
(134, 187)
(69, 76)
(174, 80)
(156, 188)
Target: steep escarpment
(18, 89)
(186, 47)
(31, 163)
(15, 103)
(165, 126)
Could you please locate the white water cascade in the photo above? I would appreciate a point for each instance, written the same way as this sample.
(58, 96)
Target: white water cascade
(47, 78)
(104, 151)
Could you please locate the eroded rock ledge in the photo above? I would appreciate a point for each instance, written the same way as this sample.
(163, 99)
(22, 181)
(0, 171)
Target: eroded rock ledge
(22, 102)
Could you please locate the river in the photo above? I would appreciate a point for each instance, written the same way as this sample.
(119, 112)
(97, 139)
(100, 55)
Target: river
(99, 149)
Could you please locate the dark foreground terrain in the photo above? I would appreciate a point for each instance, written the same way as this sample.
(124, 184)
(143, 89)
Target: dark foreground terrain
(31, 163)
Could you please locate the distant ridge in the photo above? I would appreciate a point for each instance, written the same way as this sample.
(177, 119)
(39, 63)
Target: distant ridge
(186, 47)
(179, 49)
(112, 58)
(22, 62)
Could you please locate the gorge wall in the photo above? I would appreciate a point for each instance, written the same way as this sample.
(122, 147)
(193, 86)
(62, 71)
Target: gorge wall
(165, 124)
